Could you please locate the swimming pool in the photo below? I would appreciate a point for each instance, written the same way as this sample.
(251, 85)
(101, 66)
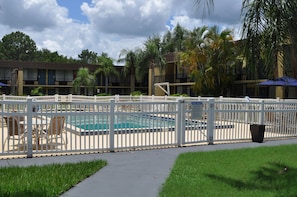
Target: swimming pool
(127, 123)
(132, 124)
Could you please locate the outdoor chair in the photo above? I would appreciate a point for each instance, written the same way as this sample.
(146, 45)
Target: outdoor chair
(55, 131)
(15, 131)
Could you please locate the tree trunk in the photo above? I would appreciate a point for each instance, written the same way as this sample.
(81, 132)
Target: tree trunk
(279, 90)
(132, 82)
(294, 65)
(106, 84)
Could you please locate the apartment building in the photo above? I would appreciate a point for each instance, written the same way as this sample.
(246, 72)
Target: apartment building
(54, 78)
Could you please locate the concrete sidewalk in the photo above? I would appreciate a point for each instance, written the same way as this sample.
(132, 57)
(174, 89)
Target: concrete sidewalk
(131, 174)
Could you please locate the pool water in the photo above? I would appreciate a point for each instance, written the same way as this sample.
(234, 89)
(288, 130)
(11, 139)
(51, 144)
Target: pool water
(132, 124)
(123, 125)
(121, 122)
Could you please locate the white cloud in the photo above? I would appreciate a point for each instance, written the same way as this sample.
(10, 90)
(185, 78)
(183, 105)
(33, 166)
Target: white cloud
(50, 45)
(35, 15)
(186, 21)
(138, 18)
(113, 24)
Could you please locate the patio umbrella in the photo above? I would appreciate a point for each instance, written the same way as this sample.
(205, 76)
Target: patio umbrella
(282, 81)
(3, 84)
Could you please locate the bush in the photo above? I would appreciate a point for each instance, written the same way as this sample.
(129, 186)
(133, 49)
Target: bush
(183, 95)
(136, 93)
(103, 94)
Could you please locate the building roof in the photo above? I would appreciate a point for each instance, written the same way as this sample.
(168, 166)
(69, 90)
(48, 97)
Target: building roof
(45, 65)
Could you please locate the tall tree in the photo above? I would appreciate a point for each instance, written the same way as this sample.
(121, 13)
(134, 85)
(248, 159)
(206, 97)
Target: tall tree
(210, 58)
(207, 5)
(151, 57)
(174, 41)
(106, 68)
(269, 26)
(45, 55)
(86, 79)
(130, 58)
(88, 57)
(222, 58)
(17, 46)
(193, 58)
(167, 43)
(179, 35)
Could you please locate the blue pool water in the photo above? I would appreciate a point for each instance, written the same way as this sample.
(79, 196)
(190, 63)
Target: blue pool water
(123, 125)
(133, 123)
(122, 122)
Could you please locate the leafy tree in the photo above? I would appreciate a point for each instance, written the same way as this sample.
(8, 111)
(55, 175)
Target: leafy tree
(210, 59)
(194, 58)
(17, 46)
(106, 68)
(222, 58)
(174, 41)
(167, 43)
(151, 57)
(179, 35)
(88, 57)
(84, 78)
(268, 27)
(45, 55)
(131, 62)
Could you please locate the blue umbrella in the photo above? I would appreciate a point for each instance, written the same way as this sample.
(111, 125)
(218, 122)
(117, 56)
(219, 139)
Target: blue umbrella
(3, 84)
(283, 81)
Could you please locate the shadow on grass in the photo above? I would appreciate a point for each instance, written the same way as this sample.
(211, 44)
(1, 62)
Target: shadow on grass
(276, 177)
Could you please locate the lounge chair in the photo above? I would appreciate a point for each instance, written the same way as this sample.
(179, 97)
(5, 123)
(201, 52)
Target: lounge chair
(55, 131)
(16, 131)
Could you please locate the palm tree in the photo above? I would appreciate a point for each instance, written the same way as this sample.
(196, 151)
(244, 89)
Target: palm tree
(130, 59)
(193, 58)
(151, 57)
(179, 35)
(84, 78)
(106, 68)
(269, 31)
(268, 27)
(208, 5)
(222, 56)
(209, 58)
(174, 41)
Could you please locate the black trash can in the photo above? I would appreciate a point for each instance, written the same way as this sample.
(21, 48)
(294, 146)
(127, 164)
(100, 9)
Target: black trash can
(257, 132)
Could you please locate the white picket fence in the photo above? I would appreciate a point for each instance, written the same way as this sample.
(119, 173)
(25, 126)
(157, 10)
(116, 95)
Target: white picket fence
(124, 123)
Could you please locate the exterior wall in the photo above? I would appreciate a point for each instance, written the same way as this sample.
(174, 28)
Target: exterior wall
(44, 75)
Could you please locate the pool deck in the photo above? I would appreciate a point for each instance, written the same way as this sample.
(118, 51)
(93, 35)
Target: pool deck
(89, 143)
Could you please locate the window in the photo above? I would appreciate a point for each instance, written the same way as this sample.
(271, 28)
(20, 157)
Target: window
(64, 75)
(30, 74)
(5, 73)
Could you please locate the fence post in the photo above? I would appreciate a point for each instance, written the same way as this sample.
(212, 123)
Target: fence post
(221, 107)
(29, 127)
(180, 122)
(3, 97)
(69, 97)
(56, 97)
(111, 125)
(261, 115)
(210, 121)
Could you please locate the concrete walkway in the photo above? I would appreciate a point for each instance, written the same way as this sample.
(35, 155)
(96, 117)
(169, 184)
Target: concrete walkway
(130, 174)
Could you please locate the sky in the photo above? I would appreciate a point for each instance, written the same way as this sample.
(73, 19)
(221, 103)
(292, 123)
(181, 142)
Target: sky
(109, 26)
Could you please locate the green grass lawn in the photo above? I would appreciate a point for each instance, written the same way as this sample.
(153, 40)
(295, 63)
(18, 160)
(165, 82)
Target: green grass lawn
(264, 171)
(48, 180)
